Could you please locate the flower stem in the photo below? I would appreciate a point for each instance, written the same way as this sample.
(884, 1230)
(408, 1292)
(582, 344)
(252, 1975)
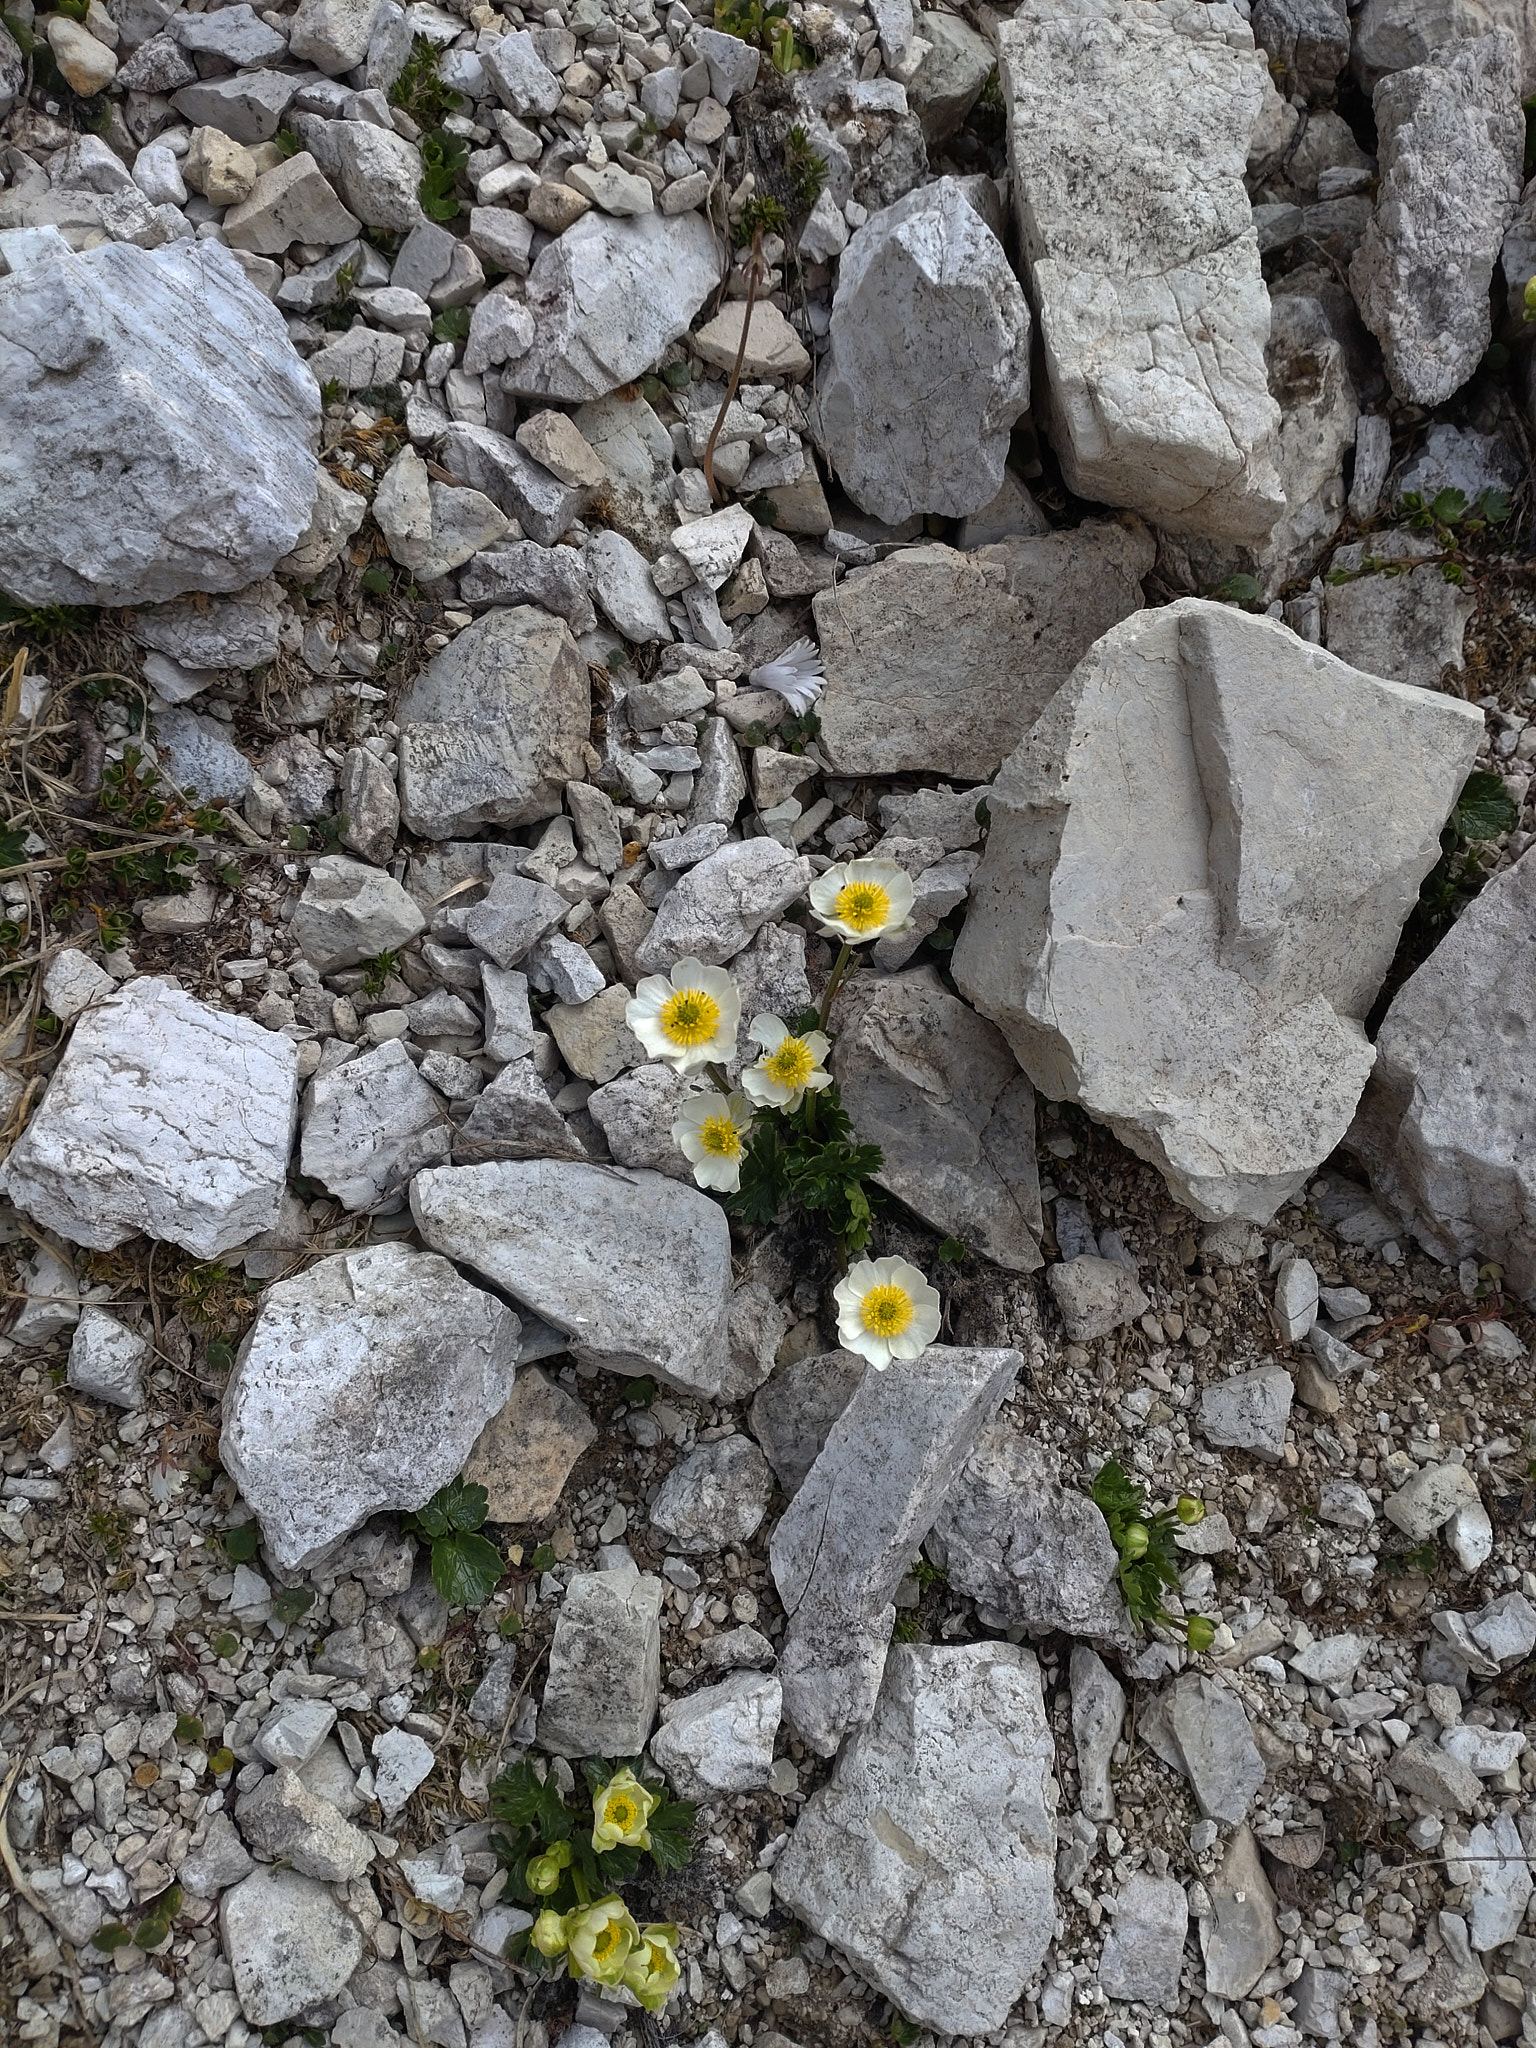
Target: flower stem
(834, 981)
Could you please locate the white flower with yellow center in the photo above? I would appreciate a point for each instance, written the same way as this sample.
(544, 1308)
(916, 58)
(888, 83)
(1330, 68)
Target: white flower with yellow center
(860, 900)
(789, 1064)
(688, 1017)
(885, 1310)
(711, 1134)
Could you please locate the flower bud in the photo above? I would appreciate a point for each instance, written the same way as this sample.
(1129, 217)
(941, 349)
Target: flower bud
(1190, 1510)
(1200, 1633)
(548, 1935)
(1135, 1542)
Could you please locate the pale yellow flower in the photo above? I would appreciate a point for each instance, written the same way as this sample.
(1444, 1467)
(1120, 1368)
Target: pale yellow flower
(620, 1812)
(860, 900)
(548, 1935)
(711, 1133)
(886, 1310)
(688, 1017)
(653, 1969)
(789, 1064)
(601, 1937)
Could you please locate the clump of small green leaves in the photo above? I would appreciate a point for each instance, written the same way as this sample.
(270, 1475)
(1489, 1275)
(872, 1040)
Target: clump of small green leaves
(808, 1159)
(761, 211)
(452, 324)
(378, 970)
(152, 1931)
(240, 1547)
(324, 833)
(547, 1845)
(1149, 1563)
(1449, 520)
(767, 28)
(1484, 811)
(288, 144)
(443, 156)
(1239, 589)
(421, 90)
(806, 171)
(465, 1565)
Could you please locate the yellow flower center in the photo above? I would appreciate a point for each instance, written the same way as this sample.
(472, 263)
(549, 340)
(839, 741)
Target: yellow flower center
(862, 906)
(605, 1941)
(720, 1137)
(690, 1017)
(621, 1813)
(886, 1310)
(791, 1063)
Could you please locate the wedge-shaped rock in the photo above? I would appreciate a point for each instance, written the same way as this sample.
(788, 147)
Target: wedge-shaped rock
(1031, 1553)
(718, 907)
(370, 1125)
(1197, 1725)
(1451, 138)
(604, 1666)
(930, 1859)
(492, 728)
(942, 662)
(720, 1740)
(1445, 1129)
(1128, 134)
(607, 296)
(1198, 866)
(156, 426)
(363, 1385)
(843, 1545)
(1391, 35)
(936, 1088)
(635, 1268)
(929, 365)
(163, 1116)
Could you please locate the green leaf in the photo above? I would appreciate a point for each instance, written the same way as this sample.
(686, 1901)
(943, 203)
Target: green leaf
(1238, 590)
(465, 1505)
(113, 1936)
(466, 1568)
(671, 1832)
(1449, 506)
(188, 1728)
(378, 578)
(452, 324)
(221, 1356)
(226, 1645)
(240, 1543)
(515, 1795)
(1494, 506)
(510, 1624)
(1115, 1495)
(221, 1761)
(952, 1250)
(13, 849)
(1485, 809)
(642, 1392)
(293, 1605)
(543, 1559)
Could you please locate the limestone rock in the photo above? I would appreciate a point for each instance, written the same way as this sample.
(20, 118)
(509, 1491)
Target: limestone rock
(720, 1740)
(1239, 1937)
(1444, 1126)
(1204, 998)
(351, 912)
(288, 1943)
(607, 297)
(433, 527)
(363, 1385)
(635, 1268)
(794, 1411)
(1098, 1715)
(1199, 1727)
(1309, 39)
(172, 360)
(1249, 1412)
(873, 1493)
(717, 907)
(636, 1113)
(1145, 1944)
(942, 662)
(929, 1860)
(513, 1118)
(1029, 1551)
(1128, 136)
(524, 1455)
(604, 1666)
(714, 1498)
(1095, 1296)
(163, 1116)
(937, 1089)
(925, 304)
(369, 1125)
(1404, 622)
(284, 1821)
(1451, 142)
(1391, 35)
(1309, 377)
(950, 79)
(773, 347)
(107, 1359)
(493, 727)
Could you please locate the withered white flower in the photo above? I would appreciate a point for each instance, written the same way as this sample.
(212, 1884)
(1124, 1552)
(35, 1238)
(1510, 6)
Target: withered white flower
(795, 675)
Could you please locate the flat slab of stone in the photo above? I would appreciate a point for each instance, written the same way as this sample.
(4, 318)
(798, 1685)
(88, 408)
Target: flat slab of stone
(1198, 866)
(363, 1385)
(720, 1740)
(604, 1675)
(1198, 1726)
(843, 1545)
(1128, 136)
(288, 1943)
(163, 1116)
(1249, 1411)
(929, 1860)
(370, 1125)
(635, 1268)
(524, 1455)
(1145, 1943)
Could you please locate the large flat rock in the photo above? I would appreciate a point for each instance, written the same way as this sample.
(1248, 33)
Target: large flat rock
(1128, 134)
(1198, 866)
(930, 1859)
(635, 1268)
(163, 1116)
(157, 427)
(363, 1385)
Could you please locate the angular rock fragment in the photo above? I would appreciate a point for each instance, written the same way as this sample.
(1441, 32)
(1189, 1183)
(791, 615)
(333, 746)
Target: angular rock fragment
(350, 913)
(163, 1116)
(107, 1359)
(1199, 1727)
(289, 1944)
(606, 297)
(370, 1125)
(1095, 1296)
(284, 1821)
(363, 1385)
(1444, 1127)
(1249, 1412)
(873, 1493)
(1098, 1715)
(1451, 141)
(1238, 1937)
(1029, 1551)
(941, 661)
(715, 1497)
(929, 1860)
(493, 727)
(513, 1118)
(795, 1410)
(937, 1089)
(717, 907)
(929, 361)
(1128, 135)
(1145, 1944)
(720, 1740)
(173, 362)
(524, 1455)
(604, 1666)
(1203, 998)
(636, 1269)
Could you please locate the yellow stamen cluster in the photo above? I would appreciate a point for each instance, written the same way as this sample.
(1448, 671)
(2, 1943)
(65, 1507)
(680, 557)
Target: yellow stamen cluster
(791, 1063)
(886, 1310)
(690, 1017)
(720, 1137)
(863, 906)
